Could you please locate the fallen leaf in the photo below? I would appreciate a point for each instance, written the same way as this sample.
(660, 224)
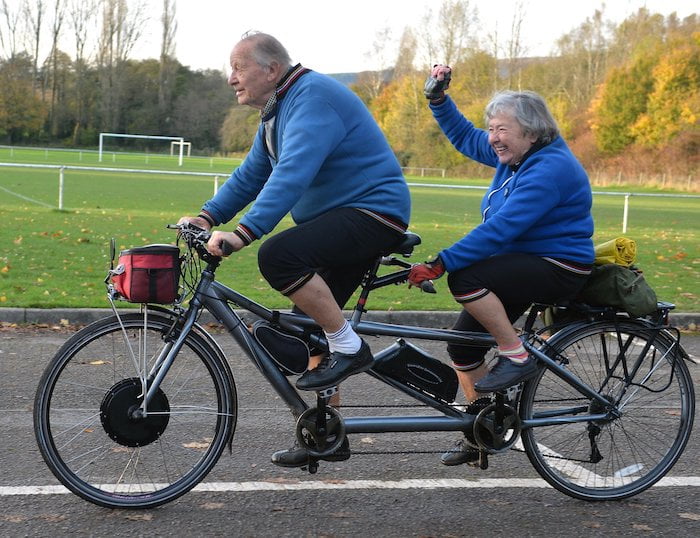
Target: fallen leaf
(212, 506)
(139, 517)
(640, 527)
(689, 515)
(196, 444)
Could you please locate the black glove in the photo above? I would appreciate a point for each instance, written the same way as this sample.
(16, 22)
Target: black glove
(434, 89)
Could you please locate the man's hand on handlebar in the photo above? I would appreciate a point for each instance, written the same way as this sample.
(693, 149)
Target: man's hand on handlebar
(197, 221)
(224, 243)
(219, 243)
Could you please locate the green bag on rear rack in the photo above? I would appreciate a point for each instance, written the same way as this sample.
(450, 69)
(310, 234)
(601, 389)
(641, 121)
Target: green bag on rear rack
(624, 288)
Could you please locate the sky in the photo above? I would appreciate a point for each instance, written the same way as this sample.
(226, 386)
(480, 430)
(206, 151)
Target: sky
(333, 36)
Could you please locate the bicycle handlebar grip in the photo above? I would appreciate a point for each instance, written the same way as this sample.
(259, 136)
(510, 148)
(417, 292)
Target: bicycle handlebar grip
(226, 248)
(427, 286)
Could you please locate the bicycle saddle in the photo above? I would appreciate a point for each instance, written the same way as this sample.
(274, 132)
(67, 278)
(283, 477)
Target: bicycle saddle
(405, 246)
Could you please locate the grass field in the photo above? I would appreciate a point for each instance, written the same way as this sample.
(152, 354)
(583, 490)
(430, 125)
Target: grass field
(51, 258)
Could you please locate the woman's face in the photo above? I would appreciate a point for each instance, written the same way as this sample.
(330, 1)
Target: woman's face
(508, 139)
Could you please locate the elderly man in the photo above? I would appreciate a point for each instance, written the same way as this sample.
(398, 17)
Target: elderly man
(318, 154)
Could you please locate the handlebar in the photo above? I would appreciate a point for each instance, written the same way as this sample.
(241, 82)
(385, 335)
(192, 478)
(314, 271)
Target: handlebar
(197, 238)
(427, 285)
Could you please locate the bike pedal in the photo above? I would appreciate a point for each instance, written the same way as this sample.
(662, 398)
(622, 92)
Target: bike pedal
(327, 393)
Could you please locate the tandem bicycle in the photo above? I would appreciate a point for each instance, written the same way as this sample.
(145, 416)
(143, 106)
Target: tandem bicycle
(135, 409)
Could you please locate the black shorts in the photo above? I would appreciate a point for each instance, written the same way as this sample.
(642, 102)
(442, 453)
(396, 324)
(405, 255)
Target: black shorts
(339, 245)
(518, 280)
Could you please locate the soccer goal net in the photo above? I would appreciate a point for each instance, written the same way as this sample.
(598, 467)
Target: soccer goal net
(177, 143)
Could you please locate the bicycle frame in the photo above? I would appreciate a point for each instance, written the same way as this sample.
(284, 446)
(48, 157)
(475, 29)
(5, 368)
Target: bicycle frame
(215, 297)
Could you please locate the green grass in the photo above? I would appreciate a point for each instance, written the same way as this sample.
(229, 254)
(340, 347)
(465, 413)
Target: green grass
(51, 258)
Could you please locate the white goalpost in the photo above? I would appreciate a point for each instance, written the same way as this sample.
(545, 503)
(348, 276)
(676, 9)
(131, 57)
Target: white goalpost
(175, 140)
(181, 143)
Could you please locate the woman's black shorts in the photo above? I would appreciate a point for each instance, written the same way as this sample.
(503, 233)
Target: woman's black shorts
(518, 280)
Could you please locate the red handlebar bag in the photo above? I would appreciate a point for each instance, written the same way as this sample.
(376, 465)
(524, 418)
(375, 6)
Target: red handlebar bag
(148, 274)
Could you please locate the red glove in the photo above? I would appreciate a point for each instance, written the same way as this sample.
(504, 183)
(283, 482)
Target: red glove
(421, 272)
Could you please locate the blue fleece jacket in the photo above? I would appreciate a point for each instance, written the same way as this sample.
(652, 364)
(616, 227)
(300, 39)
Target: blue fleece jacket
(330, 153)
(542, 208)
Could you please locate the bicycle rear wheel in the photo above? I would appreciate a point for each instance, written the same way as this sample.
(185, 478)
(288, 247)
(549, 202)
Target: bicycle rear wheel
(83, 424)
(618, 458)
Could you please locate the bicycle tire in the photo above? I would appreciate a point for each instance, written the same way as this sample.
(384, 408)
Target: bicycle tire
(635, 450)
(82, 429)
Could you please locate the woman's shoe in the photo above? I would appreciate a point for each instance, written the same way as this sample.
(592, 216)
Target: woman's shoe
(505, 374)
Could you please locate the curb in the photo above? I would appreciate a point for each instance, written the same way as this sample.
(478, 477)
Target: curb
(433, 318)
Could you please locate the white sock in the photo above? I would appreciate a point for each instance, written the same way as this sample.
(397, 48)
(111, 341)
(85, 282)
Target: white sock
(344, 340)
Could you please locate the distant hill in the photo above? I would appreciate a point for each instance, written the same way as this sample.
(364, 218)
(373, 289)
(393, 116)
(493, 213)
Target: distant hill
(345, 78)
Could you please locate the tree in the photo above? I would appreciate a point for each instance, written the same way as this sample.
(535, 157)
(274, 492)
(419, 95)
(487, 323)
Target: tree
(406, 56)
(33, 12)
(168, 64)
(121, 30)
(21, 111)
(58, 15)
(621, 101)
(81, 18)
(10, 29)
(447, 36)
(674, 104)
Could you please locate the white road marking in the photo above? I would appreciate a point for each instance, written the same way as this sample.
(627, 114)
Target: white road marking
(445, 483)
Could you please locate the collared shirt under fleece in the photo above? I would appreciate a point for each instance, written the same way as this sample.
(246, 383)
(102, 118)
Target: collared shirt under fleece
(543, 207)
(330, 153)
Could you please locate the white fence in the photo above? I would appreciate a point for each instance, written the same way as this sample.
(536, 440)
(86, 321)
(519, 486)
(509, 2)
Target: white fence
(62, 169)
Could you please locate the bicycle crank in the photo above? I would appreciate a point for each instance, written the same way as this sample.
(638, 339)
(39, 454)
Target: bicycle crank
(497, 428)
(320, 431)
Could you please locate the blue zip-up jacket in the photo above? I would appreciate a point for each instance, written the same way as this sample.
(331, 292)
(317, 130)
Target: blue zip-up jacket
(330, 153)
(542, 208)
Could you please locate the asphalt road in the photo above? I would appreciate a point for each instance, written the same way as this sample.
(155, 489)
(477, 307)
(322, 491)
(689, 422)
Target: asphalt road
(492, 504)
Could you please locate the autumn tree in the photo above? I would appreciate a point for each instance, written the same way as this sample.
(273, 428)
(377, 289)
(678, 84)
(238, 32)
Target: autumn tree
(673, 105)
(22, 113)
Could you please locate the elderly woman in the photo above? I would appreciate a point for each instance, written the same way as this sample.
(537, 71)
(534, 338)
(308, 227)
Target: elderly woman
(533, 244)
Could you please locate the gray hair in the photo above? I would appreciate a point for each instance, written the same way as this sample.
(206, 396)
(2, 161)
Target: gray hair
(267, 49)
(529, 110)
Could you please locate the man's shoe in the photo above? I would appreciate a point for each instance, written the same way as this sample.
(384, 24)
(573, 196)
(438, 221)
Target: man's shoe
(505, 374)
(461, 453)
(336, 368)
(299, 457)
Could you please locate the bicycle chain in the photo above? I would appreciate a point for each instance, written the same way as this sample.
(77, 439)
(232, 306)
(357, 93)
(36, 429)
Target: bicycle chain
(403, 452)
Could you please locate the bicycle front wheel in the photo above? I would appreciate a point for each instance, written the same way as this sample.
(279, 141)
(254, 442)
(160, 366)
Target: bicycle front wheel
(620, 457)
(85, 426)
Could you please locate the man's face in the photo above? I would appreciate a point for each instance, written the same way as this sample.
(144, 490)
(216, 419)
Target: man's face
(254, 84)
(507, 138)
